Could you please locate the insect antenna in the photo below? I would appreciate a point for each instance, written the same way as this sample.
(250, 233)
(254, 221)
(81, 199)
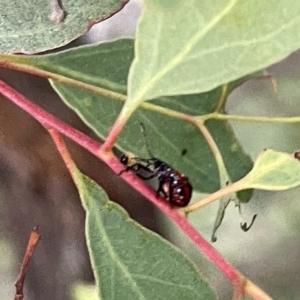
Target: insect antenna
(143, 130)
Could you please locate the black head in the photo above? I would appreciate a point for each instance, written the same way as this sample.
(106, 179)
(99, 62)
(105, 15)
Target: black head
(124, 159)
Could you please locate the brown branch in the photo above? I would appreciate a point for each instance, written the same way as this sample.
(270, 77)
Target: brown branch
(32, 242)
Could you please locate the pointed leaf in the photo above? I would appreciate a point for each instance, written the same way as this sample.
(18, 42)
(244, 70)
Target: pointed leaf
(275, 171)
(131, 262)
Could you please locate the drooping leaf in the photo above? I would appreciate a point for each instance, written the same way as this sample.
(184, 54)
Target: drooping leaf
(131, 262)
(223, 203)
(274, 171)
(26, 27)
(185, 47)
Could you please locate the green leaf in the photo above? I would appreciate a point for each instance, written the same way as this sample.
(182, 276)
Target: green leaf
(274, 171)
(131, 262)
(26, 27)
(106, 65)
(185, 47)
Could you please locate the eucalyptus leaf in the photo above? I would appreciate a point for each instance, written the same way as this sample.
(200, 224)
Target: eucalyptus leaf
(274, 171)
(131, 262)
(26, 26)
(185, 47)
(106, 65)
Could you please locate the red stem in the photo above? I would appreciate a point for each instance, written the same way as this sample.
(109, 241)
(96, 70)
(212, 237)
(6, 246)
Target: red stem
(32, 242)
(48, 121)
(63, 151)
(117, 127)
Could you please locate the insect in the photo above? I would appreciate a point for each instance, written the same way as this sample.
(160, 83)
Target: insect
(172, 185)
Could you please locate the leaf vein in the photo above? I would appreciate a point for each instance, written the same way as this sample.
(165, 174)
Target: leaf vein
(188, 47)
(117, 259)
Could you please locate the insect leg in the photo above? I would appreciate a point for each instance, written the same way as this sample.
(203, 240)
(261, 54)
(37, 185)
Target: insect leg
(134, 168)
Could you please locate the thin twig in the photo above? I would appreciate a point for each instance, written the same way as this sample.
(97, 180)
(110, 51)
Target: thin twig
(223, 97)
(227, 190)
(22, 63)
(269, 120)
(63, 151)
(32, 242)
(255, 292)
